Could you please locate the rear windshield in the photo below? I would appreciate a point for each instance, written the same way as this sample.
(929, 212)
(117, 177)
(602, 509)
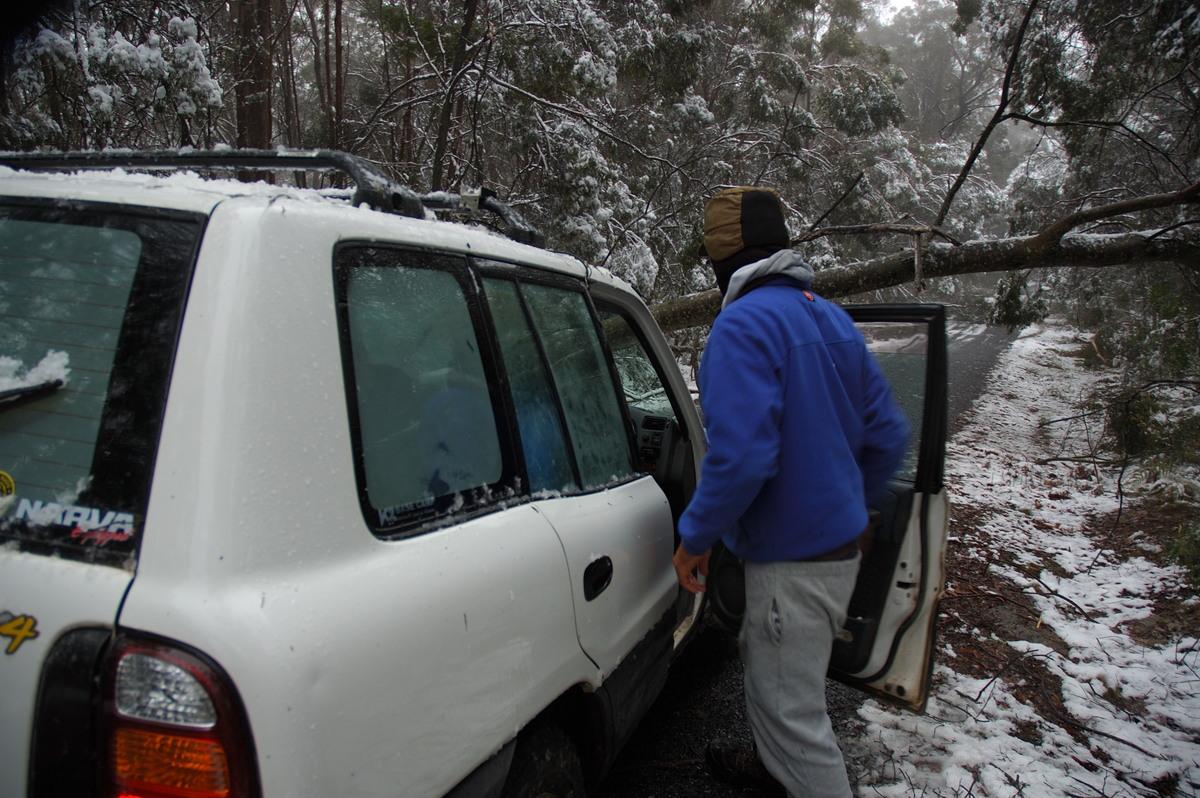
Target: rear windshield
(90, 303)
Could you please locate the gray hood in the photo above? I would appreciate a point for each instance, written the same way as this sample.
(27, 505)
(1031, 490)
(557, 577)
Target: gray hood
(785, 263)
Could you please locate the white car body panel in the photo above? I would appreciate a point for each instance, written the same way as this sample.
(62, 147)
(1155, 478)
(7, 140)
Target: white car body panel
(256, 551)
(388, 672)
(911, 611)
(631, 524)
(58, 595)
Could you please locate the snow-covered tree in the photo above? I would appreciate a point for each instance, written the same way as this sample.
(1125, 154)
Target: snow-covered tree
(1008, 135)
(104, 76)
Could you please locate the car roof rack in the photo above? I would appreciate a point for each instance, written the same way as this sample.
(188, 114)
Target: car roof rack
(371, 186)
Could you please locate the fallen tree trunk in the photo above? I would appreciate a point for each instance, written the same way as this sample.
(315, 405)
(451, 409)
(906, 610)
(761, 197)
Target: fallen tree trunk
(972, 257)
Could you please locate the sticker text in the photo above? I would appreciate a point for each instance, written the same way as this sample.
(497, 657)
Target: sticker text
(18, 628)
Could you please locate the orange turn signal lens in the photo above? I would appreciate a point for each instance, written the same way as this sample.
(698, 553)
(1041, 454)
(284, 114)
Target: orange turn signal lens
(170, 764)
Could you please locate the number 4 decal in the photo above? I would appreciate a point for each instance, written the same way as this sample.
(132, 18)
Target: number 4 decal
(18, 628)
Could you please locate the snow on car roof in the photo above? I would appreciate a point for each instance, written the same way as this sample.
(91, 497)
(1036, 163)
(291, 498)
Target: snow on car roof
(187, 190)
(178, 190)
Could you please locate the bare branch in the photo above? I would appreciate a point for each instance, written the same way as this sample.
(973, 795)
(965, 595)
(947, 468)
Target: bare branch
(586, 118)
(1115, 127)
(1058, 229)
(997, 118)
(838, 201)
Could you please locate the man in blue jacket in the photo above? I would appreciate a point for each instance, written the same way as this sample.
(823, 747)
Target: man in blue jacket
(802, 433)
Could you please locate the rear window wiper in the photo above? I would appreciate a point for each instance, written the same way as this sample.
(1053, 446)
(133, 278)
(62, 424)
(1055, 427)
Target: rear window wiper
(15, 397)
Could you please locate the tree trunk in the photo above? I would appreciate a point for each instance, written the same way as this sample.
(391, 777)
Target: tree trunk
(3, 83)
(941, 260)
(290, 134)
(339, 80)
(253, 90)
(327, 87)
(453, 77)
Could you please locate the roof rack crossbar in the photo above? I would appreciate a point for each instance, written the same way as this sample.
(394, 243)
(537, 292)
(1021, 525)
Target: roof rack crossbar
(371, 186)
(515, 225)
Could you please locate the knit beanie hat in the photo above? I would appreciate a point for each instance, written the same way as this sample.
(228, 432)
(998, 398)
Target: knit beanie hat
(742, 225)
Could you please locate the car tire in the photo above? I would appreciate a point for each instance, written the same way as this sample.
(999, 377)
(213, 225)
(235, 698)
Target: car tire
(726, 590)
(545, 765)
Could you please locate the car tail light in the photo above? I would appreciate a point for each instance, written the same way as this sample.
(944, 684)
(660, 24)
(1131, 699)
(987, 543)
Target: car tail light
(176, 727)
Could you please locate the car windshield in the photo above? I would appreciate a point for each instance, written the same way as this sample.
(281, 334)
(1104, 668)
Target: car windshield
(90, 302)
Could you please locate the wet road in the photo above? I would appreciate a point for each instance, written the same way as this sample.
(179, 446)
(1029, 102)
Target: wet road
(703, 698)
(973, 350)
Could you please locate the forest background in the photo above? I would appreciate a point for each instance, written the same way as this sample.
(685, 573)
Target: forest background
(1011, 158)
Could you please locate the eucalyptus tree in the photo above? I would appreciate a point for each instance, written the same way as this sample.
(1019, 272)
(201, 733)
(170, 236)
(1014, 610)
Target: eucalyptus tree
(1112, 182)
(133, 74)
(1117, 91)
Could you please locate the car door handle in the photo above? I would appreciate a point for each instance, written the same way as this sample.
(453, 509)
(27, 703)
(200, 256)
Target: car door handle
(596, 577)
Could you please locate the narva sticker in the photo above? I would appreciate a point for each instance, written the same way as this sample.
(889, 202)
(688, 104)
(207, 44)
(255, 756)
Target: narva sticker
(89, 524)
(18, 628)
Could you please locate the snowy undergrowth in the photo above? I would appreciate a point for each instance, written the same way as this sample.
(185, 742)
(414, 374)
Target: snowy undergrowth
(1077, 706)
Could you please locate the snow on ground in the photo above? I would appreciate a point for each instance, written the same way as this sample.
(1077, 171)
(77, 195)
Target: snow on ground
(1134, 709)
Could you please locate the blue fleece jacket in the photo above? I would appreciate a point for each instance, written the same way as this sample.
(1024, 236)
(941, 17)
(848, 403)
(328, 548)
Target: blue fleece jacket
(802, 427)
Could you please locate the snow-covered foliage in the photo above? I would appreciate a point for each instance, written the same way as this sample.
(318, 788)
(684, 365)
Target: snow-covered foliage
(104, 80)
(609, 124)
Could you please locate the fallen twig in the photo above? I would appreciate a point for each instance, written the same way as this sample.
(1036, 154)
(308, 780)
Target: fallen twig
(1067, 719)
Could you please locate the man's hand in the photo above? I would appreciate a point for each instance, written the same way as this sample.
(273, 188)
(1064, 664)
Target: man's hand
(686, 566)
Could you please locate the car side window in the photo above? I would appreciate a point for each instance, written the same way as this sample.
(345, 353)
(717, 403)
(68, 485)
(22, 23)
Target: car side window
(425, 413)
(584, 382)
(470, 388)
(543, 441)
(641, 382)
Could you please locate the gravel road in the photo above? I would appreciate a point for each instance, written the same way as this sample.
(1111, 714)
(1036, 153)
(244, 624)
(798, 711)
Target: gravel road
(702, 701)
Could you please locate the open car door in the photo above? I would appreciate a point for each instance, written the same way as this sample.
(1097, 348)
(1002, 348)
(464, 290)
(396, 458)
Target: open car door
(886, 645)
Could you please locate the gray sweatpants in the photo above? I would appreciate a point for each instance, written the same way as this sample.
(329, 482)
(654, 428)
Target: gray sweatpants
(793, 612)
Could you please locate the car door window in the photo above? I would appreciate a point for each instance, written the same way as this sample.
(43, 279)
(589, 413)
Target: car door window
(425, 413)
(544, 446)
(642, 384)
(901, 349)
(663, 448)
(584, 383)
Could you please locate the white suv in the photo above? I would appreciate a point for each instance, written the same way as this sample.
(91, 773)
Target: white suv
(313, 493)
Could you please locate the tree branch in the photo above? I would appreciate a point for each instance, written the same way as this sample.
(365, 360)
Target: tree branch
(837, 202)
(996, 119)
(880, 227)
(1058, 229)
(1114, 127)
(942, 260)
(588, 119)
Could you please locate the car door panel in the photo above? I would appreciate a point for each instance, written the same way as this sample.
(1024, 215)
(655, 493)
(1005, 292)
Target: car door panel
(886, 646)
(626, 533)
